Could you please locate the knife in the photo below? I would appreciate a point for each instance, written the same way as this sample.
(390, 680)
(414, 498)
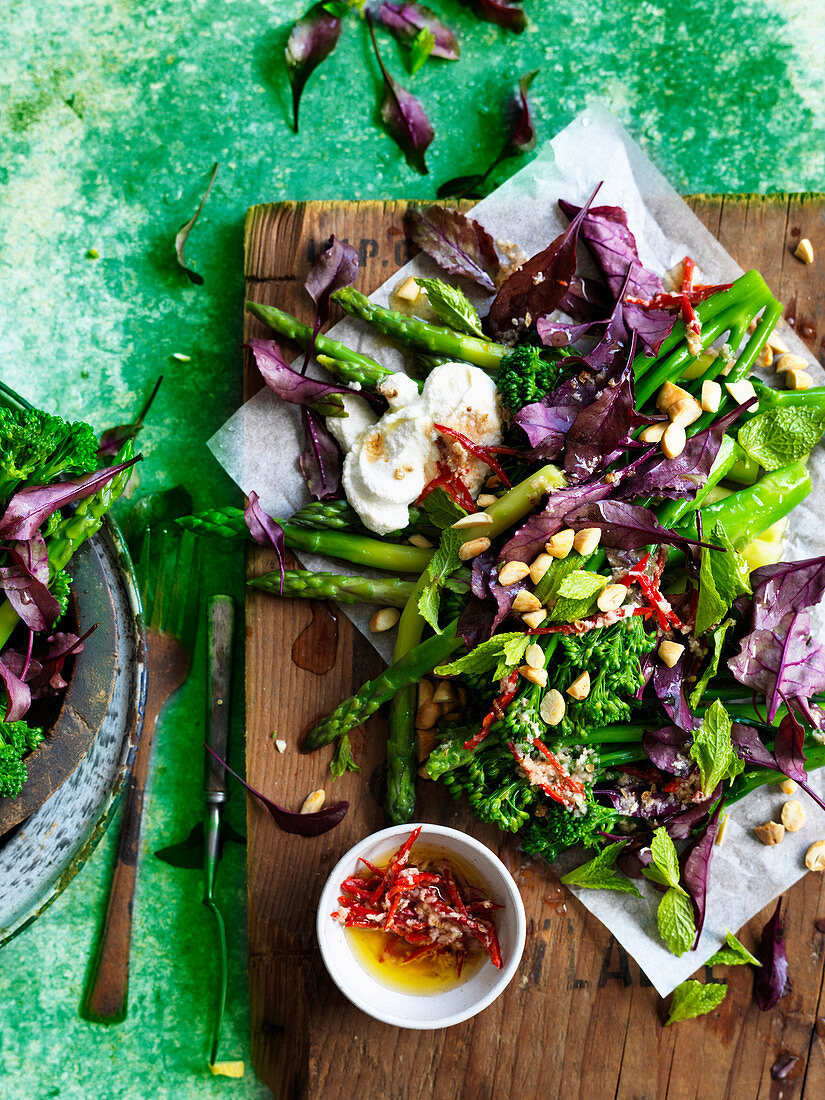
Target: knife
(221, 621)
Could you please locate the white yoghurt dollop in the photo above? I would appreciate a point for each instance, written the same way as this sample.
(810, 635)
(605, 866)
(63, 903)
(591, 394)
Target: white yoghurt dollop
(389, 461)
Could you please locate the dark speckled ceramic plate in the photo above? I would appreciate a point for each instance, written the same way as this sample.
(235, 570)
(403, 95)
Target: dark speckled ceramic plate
(75, 790)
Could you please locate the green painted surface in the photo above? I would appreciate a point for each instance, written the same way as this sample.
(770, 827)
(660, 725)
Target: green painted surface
(111, 115)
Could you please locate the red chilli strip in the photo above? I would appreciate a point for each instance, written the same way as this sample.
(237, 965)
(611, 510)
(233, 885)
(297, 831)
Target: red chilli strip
(453, 486)
(688, 274)
(674, 300)
(496, 713)
(518, 756)
(486, 454)
(559, 769)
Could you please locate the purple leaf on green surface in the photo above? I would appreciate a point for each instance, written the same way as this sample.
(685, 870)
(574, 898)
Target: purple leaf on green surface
(772, 981)
(265, 531)
(312, 39)
(113, 438)
(501, 12)
(32, 506)
(182, 234)
(539, 285)
(303, 824)
(457, 243)
(405, 21)
(404, 117)
(522, 131)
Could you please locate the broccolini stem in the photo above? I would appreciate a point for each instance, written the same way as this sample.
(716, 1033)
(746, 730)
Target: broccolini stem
(387, 592)
(284, 324)
(399, 798)
(410, 332)
(409, 670)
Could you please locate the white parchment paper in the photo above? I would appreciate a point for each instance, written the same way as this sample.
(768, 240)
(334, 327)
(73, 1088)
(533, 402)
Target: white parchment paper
(259, 445)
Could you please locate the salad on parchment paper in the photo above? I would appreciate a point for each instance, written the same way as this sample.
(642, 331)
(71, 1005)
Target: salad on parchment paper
(577, 505)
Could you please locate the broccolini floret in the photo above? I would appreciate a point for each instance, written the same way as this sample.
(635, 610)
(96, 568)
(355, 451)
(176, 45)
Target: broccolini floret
(525, 376)
(36, 447)
(612, 655)
(16, 740)
(562, 828)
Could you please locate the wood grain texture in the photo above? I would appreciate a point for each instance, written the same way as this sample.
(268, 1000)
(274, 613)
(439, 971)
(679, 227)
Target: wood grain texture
(579, 1019)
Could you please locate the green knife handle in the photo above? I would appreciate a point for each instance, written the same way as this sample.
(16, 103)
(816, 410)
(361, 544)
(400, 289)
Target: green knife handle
(221, 622)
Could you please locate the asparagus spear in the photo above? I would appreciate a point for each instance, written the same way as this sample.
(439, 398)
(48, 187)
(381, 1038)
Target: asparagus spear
(409, 670)
(387, 592)
(362, 369)
(334, 515)
(413, 333)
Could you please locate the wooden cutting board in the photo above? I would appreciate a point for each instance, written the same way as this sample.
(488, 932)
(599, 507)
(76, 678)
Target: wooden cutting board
(579, 1019)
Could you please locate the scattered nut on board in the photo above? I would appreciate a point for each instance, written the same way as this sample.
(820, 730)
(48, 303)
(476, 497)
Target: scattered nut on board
(427, 715)
(674, 440)
(473, 548)
(580, 688)
(670, 652)
(313, 802)
(534, 619)
(611, 597)
(512, 572)
(534, 656)
(793, 816)
(787, 786)
(815, 856)
(560, 545)
(539, 566)
(798, 379)
(770, 833)
(526, 601)
(426, 690)
(280, 745)
(804, 251)
(534, 675)
(586, 540)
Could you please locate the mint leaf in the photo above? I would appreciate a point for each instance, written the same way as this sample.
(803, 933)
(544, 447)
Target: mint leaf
(442, 510)
(778, 436)
(692, 999)
(600, 873)
(581, 585)
(675, 919)
(718, 642)
(511, 654)
(420, 49)
(509, 647)
(664, 855)
(342, 759)
(723, 578)
(452, 306)
(655, 875)
(444, 561)
(712, 749)
(735, 954)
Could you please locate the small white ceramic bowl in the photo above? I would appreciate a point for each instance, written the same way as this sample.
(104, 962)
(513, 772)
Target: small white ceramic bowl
(424, 1012)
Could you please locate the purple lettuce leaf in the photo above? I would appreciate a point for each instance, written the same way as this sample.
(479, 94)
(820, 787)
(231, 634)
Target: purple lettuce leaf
(788, 757)
(669, 689)
(337, 266)
(529, 539)
(312, 39)
(112, 439)
(320, 460)
(18, 694)
(182, 235)
(600, 427)
(682, 476)
(458, 244)
(489, 603)
(546, 422)
(557, 334)
(539, 285)
(303, 824)
(405, 21)
(25, 587)
(499, 11)
(265, 531)
(586, 300)
(606, 234)
(626, 526)
(667, 748)
(772, 981)
(404, 117)
(696, 867)
(780, 657)
(32, 506)
(783, 1066)
(289, 385)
